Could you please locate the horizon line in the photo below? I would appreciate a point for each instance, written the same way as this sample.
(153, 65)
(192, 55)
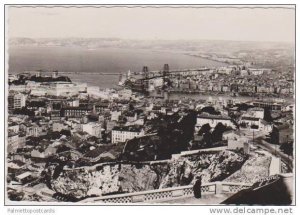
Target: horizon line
(151, 39)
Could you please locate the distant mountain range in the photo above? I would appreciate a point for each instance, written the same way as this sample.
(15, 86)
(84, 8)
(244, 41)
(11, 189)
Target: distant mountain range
(274, 55)
(182, 45)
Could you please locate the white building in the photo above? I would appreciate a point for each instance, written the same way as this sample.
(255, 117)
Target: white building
(14, 127)
(244, 72)
(58, 126)
(56, 89)
(73, 103)
(115, 115)
(252, 123)
(48, 152)
(235, 139)
(213, 120)
(63, 89)
(156, 82)
(225, 70)
(125, 93)
(13, 142)
(255, 112)
(32, 130)
(121, 134)
(17, 88)
(92, 128)
(19, 101)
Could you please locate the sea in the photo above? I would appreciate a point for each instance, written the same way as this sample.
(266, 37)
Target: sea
(88, 65)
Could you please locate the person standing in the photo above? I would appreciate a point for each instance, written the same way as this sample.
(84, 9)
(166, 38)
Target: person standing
(197, 187)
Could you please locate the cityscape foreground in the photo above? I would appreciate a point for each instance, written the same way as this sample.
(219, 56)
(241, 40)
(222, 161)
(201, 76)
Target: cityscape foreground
(148, 139)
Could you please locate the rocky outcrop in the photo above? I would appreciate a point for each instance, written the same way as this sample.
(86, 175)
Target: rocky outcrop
(113, 178)
(212, 166)
(255, 168)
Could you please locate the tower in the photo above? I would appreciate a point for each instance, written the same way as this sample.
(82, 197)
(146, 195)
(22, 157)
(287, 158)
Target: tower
(165, 72)
(38, 73)
(145, 72)
(166, 69)
(55, 74)
(128, 74)
(145, 78)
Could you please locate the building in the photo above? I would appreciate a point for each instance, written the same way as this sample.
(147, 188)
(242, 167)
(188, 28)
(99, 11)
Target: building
(254, 71)
(55, 74)
(255, 112)
(92, 128)
(213, 120)
(75, 112)
(63, 89)
(244, 72)
(102, 106)
(31, 129)
(73, 103)
(268, 104)
(131, 116)
(115, 115)
(55, 115)
(58, 126)
(24, 177)
(254, 123)
(13, 142)
(13, 126)
(247, 122)
(125, 93)
(10, 100)
(16, 101)
(235, 140)
(44, 154)
(121, 134)
(110, 125)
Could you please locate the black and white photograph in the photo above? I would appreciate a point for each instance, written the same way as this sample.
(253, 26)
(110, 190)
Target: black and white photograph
(150, 105)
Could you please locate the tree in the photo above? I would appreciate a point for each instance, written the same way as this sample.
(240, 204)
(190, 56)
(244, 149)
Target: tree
(210, 110)
(244, 107)
(274, 135)
(24, 111)
(207, 139)
(65, 132)
(267, 115)
(217, 133)
(287, 148)
(204, 129)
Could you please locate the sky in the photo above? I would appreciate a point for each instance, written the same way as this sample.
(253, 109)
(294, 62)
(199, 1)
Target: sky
(241, 24)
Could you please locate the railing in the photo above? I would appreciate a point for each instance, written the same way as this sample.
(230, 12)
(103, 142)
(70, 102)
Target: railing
(168, 193)
(233, 187)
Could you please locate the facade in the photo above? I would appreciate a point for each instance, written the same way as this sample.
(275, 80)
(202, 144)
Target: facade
(63, 89)
(58, 126)
(16, 101)
(92, 128)
(255, 112)
(14, 127)
(213, 120)
(125, 93)
(110, 125)
(121, 134)
(254, 123)
(75, 112)
(33, 130)
(268, 104)
(13, 142)
(234, 140)
(115, 115)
